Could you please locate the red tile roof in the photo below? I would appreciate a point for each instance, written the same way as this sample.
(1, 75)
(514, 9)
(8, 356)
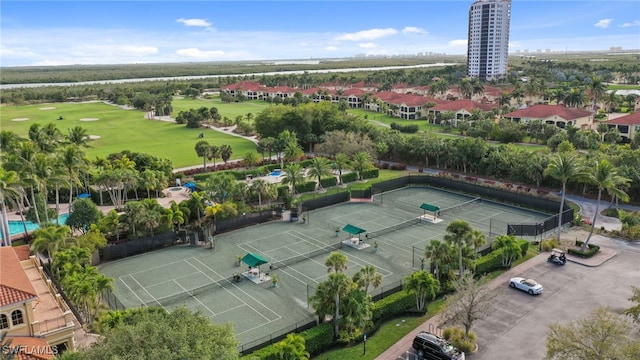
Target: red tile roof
(458, 105)
(23, 252)
(353, 92)
(545, 111)
(631, 119)
(15, 285)
(31, 348)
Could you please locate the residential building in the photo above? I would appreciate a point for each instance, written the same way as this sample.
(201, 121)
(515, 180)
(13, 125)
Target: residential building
(488, 39)
(30, 306)
(628, 125)
(558, 115)
(462, 110)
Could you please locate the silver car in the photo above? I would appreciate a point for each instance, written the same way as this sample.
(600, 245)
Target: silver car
(528, 285)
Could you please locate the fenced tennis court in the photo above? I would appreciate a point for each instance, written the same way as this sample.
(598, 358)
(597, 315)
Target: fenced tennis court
(202, 278)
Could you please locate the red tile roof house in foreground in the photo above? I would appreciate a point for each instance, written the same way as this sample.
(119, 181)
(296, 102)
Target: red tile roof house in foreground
(628, 125)
(29, 304)
(558, 115)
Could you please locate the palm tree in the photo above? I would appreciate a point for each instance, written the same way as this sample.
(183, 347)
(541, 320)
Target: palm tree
(203, 150)
(357, 310)
(361, 162)
(225, 152)
(478, 239)
(341, 162)
(50, 239)
(10, 188)
(73, 160)
(424, 285)
(78, 136)
(598, 89)
(563, 166)
(259, 186)
(458, 235)
(604, 176)
(101, 283)
(110, 223)
(292, 347)
(293, 175)
(336, 262)
(437, 253)
(366, 276)
(466, 88)
(511, 251)
(319, 167)
(338, 285)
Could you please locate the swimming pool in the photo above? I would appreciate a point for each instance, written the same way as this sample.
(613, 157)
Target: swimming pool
(276, 172)
(16, 227)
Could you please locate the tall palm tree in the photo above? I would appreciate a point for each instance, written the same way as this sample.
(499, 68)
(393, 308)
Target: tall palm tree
(319, 167)
(478, 239)
(458, 235)
(563, 166)
(597, 89)
(101, 283)
(10, 188)
(203, 150)
(43, 169)
(510, 249)
(366, 276)
(259, 186)
(342, 162)
(336, 262)
(73, 161)
(293, 175)
(78, 136)
(338, 285)
(225, 152)
(604, 176)
(357, 310)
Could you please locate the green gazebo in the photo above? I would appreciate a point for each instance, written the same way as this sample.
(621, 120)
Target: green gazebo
(430, 208)
(354, 230)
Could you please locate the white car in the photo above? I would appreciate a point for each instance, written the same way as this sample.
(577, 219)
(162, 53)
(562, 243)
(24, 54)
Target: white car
(528, 285)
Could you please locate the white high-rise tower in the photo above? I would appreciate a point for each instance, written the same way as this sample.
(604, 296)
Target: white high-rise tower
(488, 41)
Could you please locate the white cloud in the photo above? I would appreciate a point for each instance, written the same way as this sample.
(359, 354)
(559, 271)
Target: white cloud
(413, 30)
(367, 34)
(330, 48)
(199, 54)
(631, 24)
(195, 22)
(604, 23)
(458, 43)
(367, 45)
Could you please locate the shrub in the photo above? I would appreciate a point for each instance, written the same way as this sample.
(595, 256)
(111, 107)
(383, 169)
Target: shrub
(411, 129)
(317, 339)
(393, 305)
(329, 182)
(524, 246)
(369, 174)
(202, 177)
(549, 244)
(489, 262)
(306, 187)
(634, 232)
(283, 190)
(349, 177)
(455, 336)
(592, 250)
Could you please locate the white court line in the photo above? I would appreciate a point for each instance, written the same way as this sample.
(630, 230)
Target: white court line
(130, 289)
(233, 308)
(289, 267)
(168, 281)
(194, 297)
(145, 289)
(159, 267)
(234, 285)
(362, 261)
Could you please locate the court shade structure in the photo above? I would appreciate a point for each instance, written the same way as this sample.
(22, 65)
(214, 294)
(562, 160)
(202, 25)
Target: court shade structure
(431, 208)
(254, 260)
(353, 230)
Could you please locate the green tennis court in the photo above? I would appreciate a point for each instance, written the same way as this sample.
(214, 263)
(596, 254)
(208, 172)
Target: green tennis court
(201, 278)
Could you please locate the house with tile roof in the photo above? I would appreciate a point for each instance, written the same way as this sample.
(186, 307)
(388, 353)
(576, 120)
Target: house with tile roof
(628, 125)
(558, 115)
(462, 109)
(251, 90)
(30, 305)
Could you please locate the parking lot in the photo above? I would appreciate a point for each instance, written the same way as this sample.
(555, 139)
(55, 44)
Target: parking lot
(517, 326)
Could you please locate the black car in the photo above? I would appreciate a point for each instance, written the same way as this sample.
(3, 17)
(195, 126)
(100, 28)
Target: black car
(432, 347)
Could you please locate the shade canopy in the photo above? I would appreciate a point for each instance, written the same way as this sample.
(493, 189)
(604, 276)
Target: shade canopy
(253, 260)
(84, 196)
(353, 230)
(428, 207)
(190, 185)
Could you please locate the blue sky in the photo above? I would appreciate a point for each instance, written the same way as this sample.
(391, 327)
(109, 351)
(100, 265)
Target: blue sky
(124, 32)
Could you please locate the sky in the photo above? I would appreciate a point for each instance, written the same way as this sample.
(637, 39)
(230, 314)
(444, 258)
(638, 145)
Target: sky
(126, 32)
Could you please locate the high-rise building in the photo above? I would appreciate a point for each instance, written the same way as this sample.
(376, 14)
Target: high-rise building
(488, 41)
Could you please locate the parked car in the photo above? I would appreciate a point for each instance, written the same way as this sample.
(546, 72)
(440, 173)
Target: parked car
(528, 285)
(432, 347)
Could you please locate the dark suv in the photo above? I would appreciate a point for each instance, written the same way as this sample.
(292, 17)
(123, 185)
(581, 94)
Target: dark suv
(433, 347)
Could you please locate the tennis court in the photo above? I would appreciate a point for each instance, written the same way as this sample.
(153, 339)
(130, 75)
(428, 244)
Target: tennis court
(201, 278)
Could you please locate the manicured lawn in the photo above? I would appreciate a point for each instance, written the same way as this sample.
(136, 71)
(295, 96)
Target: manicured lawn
(623, 87)
(423, 125)
(388, 334)
(230, 110)
(121, 130)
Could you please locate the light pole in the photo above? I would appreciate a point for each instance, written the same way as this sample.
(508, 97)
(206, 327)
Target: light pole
(364, 343)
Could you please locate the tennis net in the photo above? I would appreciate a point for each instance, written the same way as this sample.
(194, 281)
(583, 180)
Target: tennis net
(188, 293)
(465, 205)
(302, 257)
(395, 227)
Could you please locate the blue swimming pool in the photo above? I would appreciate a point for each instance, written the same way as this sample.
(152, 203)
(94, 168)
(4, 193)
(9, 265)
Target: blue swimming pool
(16, 227)
(276, 172)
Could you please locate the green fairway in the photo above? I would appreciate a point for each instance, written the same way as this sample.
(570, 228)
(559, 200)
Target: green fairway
(120, 130)
(230, 110)
(374, 117)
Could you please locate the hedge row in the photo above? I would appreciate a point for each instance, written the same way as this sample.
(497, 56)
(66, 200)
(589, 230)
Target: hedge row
(306, 187)
(349, 177)
(411, 129)
(393, 305)
(493, 260)
(369, 174)
(329, 182)
(593, 249)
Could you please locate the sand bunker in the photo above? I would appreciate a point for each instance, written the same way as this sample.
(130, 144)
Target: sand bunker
(20, 119)
(89, 119)
(94, 137)
(47, 108)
